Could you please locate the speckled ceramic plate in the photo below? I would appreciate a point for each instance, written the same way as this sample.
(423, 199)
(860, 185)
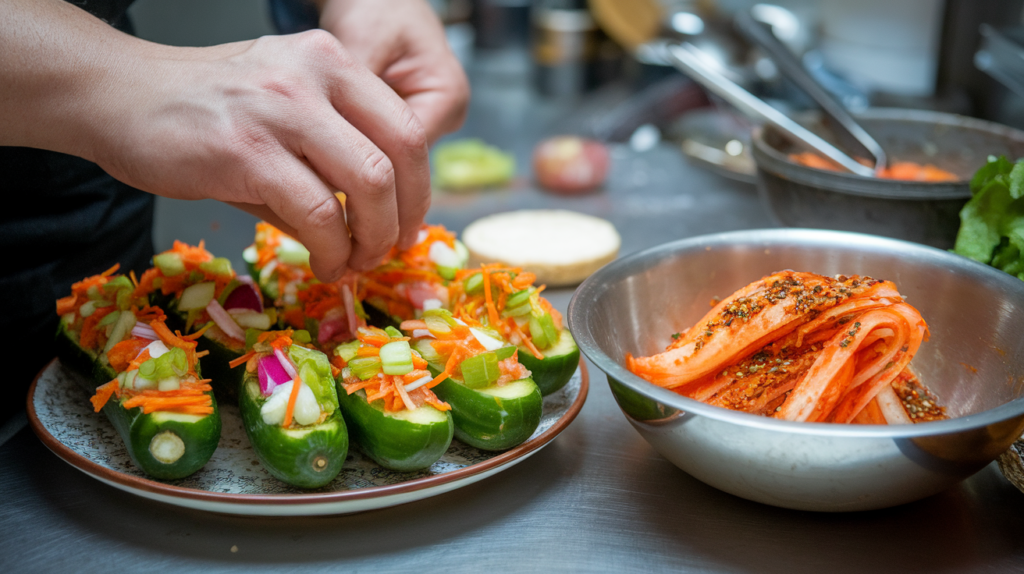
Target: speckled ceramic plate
(234, 482)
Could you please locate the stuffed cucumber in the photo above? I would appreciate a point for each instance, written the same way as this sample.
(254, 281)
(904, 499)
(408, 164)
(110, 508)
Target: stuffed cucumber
(145, 378)
(330, 312)
(556, 365)
(202, 293)
(290, 411)
(385, 392)
(495, 404)
(505, 300)
(496, 417)
(416, 279)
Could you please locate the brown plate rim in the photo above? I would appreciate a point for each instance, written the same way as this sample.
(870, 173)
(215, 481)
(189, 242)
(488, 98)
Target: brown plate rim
(96, 470)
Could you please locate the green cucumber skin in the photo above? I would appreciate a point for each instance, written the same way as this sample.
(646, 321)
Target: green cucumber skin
(138, 429)
(225, 380)
(487, 422)
(553, 371)
(393, 443)
(77, 358)
(289, 457)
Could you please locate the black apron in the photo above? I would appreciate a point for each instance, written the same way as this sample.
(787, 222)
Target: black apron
(65, 219)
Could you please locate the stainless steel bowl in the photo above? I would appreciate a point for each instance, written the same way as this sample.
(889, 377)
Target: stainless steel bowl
(800, 196)
(974, 362)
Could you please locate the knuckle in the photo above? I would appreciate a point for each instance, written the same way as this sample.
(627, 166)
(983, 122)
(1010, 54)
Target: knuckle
(378, 175)
(326, 212)
(412, 136)
(319, 40)
(323, 47)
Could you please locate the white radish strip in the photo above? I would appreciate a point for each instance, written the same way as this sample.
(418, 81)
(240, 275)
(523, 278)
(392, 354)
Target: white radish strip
(286, 362)
(421, 236)
(350, 308)
(224, 321)
(431, 304)
(143, 331)
(443, 255)
(489, 343)
(405, 397)
(418, 383)
(267, 271)
(421, 333)
(156, 349)
(891, 406)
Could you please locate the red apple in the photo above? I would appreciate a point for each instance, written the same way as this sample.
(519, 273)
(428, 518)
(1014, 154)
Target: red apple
(570, 164)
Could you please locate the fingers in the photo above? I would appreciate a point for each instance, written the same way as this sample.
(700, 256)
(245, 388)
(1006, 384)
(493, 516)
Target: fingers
(441, 112)
(350, 162)
(379, 114)
(300, 204)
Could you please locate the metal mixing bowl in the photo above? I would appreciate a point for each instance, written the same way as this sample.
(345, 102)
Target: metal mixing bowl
(974, 363)
(800, 196)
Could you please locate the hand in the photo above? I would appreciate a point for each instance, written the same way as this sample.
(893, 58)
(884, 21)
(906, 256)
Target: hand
(273, 126)
(402, 41)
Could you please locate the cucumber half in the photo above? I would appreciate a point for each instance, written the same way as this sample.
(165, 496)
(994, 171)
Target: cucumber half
(495, 417)
(558, 365)
(402, 441)
(164, 445)
(306, 457)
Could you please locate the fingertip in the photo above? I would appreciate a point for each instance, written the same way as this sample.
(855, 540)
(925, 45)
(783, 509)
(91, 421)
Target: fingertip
(327, 273)
(408, 239)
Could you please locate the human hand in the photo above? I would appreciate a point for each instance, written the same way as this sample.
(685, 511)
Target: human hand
(403, 42)
(274, 126)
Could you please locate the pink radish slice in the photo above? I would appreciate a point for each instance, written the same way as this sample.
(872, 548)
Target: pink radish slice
(271, 374)
(144, 332)
(224, 321)
(333, 326)
(245, 296)
(421, 291)
(350, 309)
(286, 363)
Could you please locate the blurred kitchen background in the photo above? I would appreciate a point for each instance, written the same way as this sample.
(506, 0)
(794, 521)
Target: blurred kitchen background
(546, 67)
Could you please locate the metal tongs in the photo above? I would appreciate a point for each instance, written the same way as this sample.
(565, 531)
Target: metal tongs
(695, 64)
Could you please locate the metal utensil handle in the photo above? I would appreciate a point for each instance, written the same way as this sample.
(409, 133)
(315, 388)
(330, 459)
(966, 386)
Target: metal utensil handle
(761, 34)
(687, 58)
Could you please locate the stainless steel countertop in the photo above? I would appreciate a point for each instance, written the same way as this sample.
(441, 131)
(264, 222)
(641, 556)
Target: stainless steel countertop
(597, 499)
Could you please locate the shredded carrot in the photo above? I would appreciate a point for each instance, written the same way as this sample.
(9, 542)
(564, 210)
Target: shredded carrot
(103, 394)
(66, 305)
(492, 312)
(901, 170)
(406, 400)
(195, 336)
(241, 360)
(296, 383)
(122, 354)
(527, 341)
(90, 336)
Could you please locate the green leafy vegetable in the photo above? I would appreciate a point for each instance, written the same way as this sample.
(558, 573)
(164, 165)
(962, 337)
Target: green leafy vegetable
(992, 222)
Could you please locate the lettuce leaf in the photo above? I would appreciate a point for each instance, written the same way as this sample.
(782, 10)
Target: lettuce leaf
(992, 222)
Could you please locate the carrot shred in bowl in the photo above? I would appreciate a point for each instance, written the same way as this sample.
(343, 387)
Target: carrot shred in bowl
(899, 170)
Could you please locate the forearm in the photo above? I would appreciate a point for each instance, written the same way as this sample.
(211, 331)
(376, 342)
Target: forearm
(59, 61)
